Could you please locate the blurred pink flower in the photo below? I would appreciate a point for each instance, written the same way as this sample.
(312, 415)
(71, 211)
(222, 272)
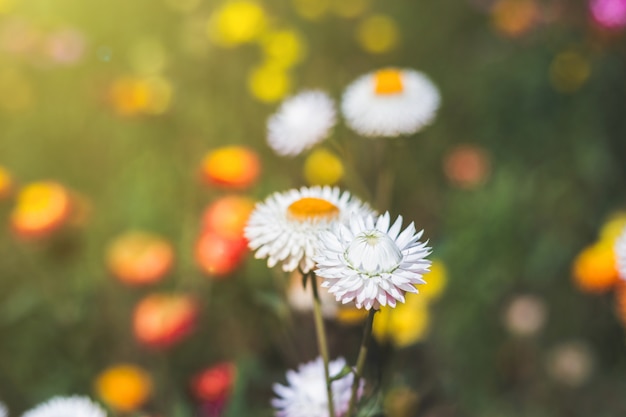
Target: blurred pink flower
(610, 14)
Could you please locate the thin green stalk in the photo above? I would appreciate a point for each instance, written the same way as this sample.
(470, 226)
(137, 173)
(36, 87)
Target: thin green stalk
(321, 342)
(360, 362)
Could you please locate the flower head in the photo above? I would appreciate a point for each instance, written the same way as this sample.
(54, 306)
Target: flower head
(305, 396)
(390, 102)
(285, 227)
(235, 167)
(371, 262)
(301, 122)
(73, 406)
(3, 410)
(124, 387)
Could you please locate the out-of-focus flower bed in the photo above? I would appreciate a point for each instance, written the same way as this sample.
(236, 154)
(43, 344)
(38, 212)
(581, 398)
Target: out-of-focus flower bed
(138, 138)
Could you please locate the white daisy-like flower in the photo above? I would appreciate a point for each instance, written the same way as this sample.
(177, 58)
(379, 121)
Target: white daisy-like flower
(371, 262)
(3, 410)
(390, 102)
(306, 396)
(620, 254)
(285, 227)
(301, 122)
(73, 406)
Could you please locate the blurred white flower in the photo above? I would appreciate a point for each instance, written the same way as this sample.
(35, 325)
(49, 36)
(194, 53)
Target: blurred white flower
(285, 227)
(305, 395)
(371, 262)
(620, 254)
(390, 102)
(525, 315)
(301, 122)
(74, 406)
(570, 363)
(3, 410)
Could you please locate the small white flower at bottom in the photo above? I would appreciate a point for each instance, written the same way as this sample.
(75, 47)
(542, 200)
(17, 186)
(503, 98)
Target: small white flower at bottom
(73, 406)
(620, 254)
(301, 122)
(371, 262)
(305, 395)
(3, 410)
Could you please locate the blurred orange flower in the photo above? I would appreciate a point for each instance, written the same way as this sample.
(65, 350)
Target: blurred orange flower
(162, 320)
(466, 166)
(514, 17)
(214, 384)
(594, 269)
(139, 258)
(42, 208)
(140, 95)
(218, 255)
(231, 167)
(620, 302)
(124, 387)
(227, 216)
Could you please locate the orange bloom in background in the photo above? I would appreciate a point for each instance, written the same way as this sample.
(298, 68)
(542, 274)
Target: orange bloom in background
(140, 95)
(42, 207)
(620, 302)
(231, 167)
(467, 166)
(227, 216)
(6, 183)
(124, 387)
(162, 320)
(219, 255)
(139, 258)
(514, 17)
(594, 269)
(214, 384)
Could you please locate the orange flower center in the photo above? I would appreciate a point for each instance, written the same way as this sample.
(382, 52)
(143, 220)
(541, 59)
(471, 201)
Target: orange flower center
(312, 208)
(388, 81)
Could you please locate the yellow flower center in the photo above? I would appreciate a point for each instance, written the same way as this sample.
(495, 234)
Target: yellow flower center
(312, 208)
(388, 81)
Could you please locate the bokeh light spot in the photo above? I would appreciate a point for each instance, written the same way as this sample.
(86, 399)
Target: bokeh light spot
(378, 34)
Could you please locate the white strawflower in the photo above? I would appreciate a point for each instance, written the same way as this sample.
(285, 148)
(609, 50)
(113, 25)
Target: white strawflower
(306, 396)
(301, 122)
(620, 254)
(390, 102)
(3, 410)
(285, 227)
(74, 406)
(370, 262)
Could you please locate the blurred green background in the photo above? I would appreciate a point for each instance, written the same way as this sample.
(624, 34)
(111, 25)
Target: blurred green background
(119, 101)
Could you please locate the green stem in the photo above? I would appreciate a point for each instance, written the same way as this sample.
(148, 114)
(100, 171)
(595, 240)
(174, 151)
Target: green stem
(360, 362)
(321, 342)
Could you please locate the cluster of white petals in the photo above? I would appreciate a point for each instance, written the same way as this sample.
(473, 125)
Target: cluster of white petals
(301, 122)
(371, 261)
(305, 393)
(73, 406)
(3, 410)
(285, 227)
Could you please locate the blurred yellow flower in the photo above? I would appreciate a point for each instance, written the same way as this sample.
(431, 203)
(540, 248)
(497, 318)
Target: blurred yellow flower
(349, 8)
(594, 269)
(514, 17)
(269, 83)
(124, 387)
(41, 208)
(231, 166)
(569, 71)
(323, 167)
(284, 48)
(403, 325)
(6, 6)
(378, 33)
(237, 22)
(148, 95)
(436, 281)
(349, 314)
(613, 227)
(311, 9)
(6, 182)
